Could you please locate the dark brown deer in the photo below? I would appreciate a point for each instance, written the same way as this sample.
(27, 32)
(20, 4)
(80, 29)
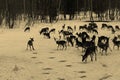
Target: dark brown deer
(69, 28)
(30, 44)
(52, 30)
(83, 27)
(27, 29)
(104, 26)
(44, 30)
(65, 33)
(70, 40)
(61, 43)
(103, 44)
(117, 28)
(116, 42)
(90, 51)
(47, 35)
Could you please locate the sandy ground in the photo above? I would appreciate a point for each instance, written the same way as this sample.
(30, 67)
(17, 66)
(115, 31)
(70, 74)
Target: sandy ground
(48, 63)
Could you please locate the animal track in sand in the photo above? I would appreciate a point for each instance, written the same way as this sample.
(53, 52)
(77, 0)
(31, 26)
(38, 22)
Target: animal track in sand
(105, 77)
(83, 76)
(15, 68)
(60, 78)
(62, 61)
(81, 71)
(51, 57)
(35, 53)
(46, 73)
(104, 65)
(68, 65)
(32, 77)
(47, 68)
(33, 57)
(51, 52)
(38, 62)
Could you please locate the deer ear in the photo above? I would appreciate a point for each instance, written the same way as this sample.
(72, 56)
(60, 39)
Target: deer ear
(54, 38)
(81, 55)
(31, 38)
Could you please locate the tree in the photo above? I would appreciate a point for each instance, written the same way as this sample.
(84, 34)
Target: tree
(100, 7)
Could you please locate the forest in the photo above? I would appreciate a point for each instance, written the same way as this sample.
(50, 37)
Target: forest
(49, 11)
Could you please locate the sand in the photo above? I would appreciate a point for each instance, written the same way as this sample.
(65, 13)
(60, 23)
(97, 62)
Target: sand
(48, 63)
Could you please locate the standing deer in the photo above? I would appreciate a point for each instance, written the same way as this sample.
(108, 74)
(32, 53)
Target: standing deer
(60, 43)
(30, 44)
(90, 51)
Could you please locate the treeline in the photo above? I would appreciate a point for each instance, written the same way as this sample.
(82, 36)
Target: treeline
(49, 10)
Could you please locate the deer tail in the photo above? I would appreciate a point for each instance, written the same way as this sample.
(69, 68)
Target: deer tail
(54, 38)
(110, 49)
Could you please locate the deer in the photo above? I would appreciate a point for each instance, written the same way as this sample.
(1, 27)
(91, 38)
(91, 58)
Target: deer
(90, 51)
(69, 28)
(47, 35)
(116, 42)
(103, 45)
(44, 30)
(65, 33)
(117, 28)
(60, 43)
(83, 27)
(27, 29)
(30, 44)
(52, 30)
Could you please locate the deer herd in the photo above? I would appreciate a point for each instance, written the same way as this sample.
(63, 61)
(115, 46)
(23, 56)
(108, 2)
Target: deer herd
(81, 38)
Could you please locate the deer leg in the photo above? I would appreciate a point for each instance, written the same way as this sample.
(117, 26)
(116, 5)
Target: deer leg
(99, 50)
(71, 43)
(30, 48)
(102, 51)
(106, 51)
(57, 47)
(86, 60)
(82, 49)
(118, 47)
(63, 47)
(27, 47)
(95, 56)
(91, 55)
(63, 36)
(68, 43)
(110, 49)
(33, 47)
(60, 47)
(113, 46)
